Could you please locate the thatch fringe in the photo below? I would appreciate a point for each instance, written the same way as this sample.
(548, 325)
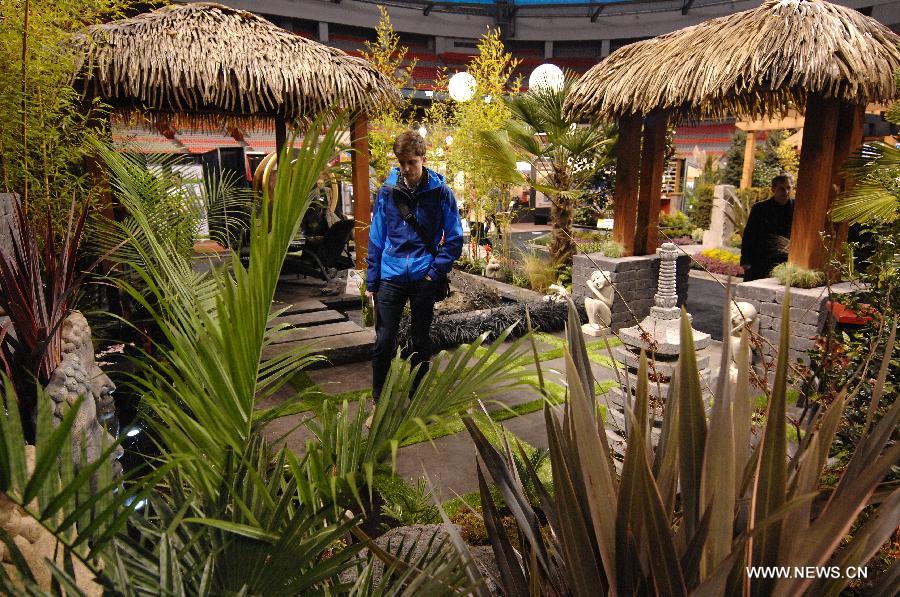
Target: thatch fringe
(759, 62)
(208, 58)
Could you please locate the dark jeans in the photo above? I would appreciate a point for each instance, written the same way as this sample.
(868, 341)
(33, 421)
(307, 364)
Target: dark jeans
(390, 300)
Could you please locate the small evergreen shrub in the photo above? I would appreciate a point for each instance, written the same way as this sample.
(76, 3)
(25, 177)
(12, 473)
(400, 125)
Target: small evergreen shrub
(702, 214)
(675, 225)
(795, 276)
(612, 249)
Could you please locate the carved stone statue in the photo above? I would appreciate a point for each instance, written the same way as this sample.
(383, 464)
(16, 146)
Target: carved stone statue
(79, 375)
(556, 293)
(743, 316)
(599, 306)
(493, 269)
(36, 543)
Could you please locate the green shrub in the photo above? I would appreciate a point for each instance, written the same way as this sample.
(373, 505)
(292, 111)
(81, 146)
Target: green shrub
(612, 249)
(789, 274)
(541, 273)
(702, 213)
(675, 224)
(407, 504)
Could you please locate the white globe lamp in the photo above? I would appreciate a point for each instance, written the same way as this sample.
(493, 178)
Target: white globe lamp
(547, 77)
(462, 87)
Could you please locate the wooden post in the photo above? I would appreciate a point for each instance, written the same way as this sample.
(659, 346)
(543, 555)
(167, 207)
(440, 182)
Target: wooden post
(653, 158)
(362, 202)
(814, 192)
(280, 134)
(749, 159)
(849, 139)
(628, 161)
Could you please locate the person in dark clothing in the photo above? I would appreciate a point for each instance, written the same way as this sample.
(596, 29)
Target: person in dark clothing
(400, 266)
(768, 231)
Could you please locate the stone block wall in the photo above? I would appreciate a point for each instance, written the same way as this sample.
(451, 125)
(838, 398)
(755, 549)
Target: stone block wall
(807, 315)
(8, 221)
(634, 279)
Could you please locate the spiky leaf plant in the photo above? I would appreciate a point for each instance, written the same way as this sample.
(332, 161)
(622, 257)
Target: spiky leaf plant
(236, 515)
(694, 513)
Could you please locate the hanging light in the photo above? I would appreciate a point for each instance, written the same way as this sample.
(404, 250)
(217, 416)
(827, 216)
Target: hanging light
(547, 77)
(462, 87)
(423, 131)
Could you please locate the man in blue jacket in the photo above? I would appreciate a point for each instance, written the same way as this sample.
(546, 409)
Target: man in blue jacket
(402, 265)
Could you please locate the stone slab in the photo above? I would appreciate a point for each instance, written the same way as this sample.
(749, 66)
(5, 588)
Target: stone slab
(300, 306)
(318, 331)
(310, 318)
(338, 350)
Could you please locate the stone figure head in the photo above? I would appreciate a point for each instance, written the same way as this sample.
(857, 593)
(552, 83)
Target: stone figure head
(743, 315)
(599, 279)
(79, 375)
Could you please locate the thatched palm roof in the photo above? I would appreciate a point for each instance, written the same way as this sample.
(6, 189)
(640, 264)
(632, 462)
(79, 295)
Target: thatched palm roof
(209, 58)
(755, 62)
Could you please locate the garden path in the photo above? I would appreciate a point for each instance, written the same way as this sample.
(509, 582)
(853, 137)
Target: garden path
(448, 457)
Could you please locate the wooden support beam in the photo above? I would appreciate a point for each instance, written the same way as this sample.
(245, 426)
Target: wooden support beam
(851, 118)
(653, 162)
(362, 202)
(749, 158)
(628, 162)
(280, 134)
(814, 178)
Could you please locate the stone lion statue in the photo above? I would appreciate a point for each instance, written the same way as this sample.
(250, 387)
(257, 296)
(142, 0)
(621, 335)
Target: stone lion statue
(598, 306)
(79, 375)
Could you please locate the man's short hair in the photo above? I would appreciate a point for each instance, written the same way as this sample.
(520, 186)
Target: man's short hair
(781, 178)
(409, 143)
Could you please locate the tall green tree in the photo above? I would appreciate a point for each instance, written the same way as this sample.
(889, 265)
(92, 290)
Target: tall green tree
(388, 120)
(567, 153)
(492, 67)
(44, 124)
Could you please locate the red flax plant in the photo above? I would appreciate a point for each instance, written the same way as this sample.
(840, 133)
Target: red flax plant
(37, 283)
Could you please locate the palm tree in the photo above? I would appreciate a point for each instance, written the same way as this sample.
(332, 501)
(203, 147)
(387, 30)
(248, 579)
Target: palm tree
(566, 154)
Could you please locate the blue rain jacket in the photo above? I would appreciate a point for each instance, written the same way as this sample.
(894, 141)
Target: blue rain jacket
(396, 252)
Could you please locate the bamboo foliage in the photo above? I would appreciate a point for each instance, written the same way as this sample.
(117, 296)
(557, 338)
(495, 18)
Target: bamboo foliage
(205, 57)
(739, 505)
(755, 62)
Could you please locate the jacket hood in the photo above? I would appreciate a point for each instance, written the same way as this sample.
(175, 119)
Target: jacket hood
(433, 180)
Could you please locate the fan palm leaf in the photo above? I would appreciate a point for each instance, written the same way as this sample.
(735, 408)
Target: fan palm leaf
(876, 192)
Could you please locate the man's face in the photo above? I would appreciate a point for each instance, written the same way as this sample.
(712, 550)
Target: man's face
(411, 168)
(781, 191)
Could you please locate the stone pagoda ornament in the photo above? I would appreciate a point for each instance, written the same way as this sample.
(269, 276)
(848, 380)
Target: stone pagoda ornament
(659, 334)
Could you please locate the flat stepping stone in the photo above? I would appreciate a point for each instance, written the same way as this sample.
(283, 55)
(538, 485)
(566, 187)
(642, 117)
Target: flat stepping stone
(309, 319)
(318, 331)
(347, 343)
(300, 306)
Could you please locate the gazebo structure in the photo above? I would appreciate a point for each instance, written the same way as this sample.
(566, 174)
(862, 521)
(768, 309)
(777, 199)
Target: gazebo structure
(825, 60)
(214, 62)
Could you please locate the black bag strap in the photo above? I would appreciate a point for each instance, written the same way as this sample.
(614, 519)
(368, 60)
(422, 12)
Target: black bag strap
(402, 202)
